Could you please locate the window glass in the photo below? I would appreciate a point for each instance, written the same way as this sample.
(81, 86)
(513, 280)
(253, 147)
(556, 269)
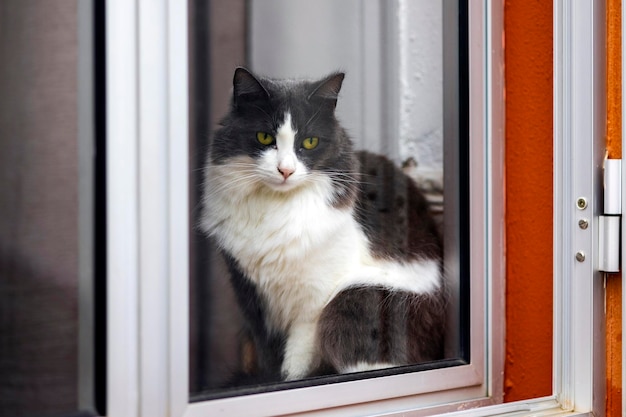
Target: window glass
(47, 209)
(398, 81)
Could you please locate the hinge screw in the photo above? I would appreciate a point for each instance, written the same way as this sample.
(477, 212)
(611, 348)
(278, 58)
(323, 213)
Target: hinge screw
(581, 203)
(580, 256)
(583, 223)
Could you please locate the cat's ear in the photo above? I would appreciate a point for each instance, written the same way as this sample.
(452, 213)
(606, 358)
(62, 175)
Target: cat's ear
(246, 87)
(328, 89)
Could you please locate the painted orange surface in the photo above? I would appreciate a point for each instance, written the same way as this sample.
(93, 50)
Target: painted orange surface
(614, 78)
(614, 345)
(614, 148)
(529, 193)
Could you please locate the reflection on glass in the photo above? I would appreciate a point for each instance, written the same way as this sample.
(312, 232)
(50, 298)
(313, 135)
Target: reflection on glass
(45, 187)
(321, 194)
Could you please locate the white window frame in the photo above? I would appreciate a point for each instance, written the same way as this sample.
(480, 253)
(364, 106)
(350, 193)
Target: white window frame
(148, 226)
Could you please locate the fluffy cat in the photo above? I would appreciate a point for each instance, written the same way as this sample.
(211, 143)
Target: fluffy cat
(334, 259)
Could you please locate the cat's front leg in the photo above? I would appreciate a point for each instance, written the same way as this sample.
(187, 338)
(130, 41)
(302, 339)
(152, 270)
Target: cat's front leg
(300, 351)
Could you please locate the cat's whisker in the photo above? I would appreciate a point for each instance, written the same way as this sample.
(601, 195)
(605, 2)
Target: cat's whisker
(240, 181)
(217, 188)
(312, 118)
(341, 178)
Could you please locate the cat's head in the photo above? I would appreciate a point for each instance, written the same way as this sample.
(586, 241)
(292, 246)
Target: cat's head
(284, 133)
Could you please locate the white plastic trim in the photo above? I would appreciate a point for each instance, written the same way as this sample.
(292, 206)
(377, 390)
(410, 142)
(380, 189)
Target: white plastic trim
(147, 210)
(153, 206)
(122, 210)
(178, 221)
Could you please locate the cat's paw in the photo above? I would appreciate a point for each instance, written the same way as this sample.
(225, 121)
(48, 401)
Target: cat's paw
(366, 366)
(293, 370)
(299, 352)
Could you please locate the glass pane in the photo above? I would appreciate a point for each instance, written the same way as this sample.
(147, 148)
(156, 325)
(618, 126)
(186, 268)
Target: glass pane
(393, 74)
(47, 209)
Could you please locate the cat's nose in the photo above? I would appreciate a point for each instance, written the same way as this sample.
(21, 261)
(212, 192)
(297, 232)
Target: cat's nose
(285, 171)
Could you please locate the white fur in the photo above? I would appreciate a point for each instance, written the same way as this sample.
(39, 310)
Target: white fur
(297, 248)
(366, 366)
(285, 138)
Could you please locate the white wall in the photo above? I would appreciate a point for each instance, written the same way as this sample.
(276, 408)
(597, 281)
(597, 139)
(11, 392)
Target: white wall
(392, 99)
(420, 74)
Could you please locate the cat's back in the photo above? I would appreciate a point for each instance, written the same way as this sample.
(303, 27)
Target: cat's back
(402, 305)
(393, 212)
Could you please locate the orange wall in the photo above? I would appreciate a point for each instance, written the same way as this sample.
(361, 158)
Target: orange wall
(614, 147)
(614, 78)
(528, 77)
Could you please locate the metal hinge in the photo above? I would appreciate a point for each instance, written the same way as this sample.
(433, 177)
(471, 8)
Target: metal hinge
(609, 225)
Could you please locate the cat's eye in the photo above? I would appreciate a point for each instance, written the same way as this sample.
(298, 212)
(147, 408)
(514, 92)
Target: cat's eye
(264, 138)
(310, 143)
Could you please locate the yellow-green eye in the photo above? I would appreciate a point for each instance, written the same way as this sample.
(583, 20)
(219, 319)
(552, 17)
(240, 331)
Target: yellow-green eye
(264, 138)
(310, 143)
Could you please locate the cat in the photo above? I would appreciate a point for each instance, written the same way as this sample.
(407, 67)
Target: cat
(334, 259)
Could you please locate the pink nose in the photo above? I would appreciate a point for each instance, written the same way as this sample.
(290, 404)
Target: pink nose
(285, 172)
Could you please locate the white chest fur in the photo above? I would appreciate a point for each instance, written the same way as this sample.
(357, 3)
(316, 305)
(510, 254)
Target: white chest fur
(299, 251)
(294, 246)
